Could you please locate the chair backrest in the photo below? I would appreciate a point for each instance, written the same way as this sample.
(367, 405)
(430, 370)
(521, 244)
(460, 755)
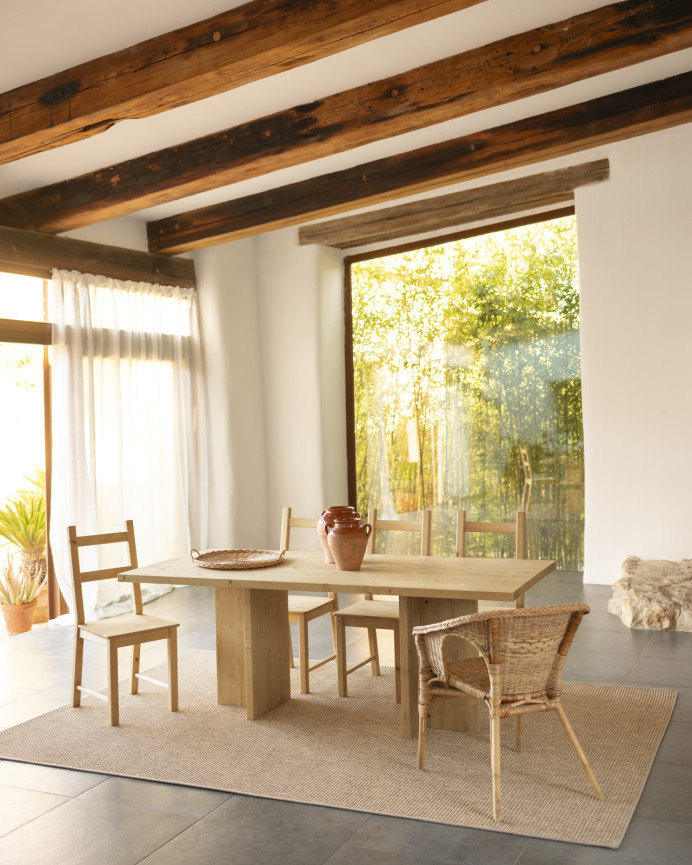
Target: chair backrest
(288, 522)
(524, 649)
(79, 576)
(424, 526)
(528, 478)
(518, 528)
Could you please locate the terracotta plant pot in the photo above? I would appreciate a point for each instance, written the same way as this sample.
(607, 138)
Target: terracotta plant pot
(18, 617)
(347, 543)
(326, 522)
(41, 612)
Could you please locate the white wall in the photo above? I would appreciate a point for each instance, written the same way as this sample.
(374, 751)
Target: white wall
(126, 231)
(272, 334)
(301, 318)
(230, 334)
(635, 261)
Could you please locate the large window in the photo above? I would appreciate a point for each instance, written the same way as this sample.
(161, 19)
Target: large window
(467, 390)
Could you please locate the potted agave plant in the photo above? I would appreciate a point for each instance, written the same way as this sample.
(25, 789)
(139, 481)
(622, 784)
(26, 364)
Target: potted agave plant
(18, 591)
(23, 527)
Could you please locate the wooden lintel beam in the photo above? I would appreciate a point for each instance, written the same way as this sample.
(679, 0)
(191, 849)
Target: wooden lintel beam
(456, 209)
(516, 67)
(643, 109)
(38, 253)
(244, 44)
(465, 234)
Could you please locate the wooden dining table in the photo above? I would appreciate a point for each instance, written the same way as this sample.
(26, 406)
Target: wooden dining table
(252, 630)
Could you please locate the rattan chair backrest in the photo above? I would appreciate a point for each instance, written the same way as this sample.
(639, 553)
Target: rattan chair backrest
(526, 647)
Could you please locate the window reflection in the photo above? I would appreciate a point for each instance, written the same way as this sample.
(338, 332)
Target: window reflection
(468, 389)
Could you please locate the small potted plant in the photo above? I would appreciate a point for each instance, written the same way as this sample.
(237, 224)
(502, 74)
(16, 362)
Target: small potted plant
(18, 591)
(23, 528)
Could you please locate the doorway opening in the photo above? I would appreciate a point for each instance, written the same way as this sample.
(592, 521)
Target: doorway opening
(25, 436)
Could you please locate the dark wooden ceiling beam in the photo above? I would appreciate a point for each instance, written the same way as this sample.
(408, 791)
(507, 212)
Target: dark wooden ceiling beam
(555, 55)
(457, 208)
(643, 109)
(247, 43)
(37, 253)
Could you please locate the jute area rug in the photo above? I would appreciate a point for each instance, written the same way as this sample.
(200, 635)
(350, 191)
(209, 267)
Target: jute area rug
(347, 753)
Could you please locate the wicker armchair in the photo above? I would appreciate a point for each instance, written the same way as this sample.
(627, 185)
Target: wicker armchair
(519, 671)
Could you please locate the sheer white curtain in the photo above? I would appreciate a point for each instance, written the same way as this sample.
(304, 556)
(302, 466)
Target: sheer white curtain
(129, 439)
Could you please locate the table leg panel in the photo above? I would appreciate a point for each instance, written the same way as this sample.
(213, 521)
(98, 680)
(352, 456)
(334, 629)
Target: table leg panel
(454, 714)
(267, 662)
(229, 606)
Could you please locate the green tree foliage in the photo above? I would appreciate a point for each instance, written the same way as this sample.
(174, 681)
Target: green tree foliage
(23, 525)
(463, 352)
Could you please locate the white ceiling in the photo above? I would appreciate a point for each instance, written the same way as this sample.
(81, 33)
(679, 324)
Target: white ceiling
(40, 37)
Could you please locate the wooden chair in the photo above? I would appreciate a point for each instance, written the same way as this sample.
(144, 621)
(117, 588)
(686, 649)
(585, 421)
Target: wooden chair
(517, 528)
(302, 609)
(528, 478)
(127, 629)
(519, 671)
(373, 613)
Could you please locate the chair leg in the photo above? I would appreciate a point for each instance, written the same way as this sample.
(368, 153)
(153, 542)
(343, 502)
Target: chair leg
(290, 647)
(303, 656)
(422, 729)
(341, 656)
(173, 669)
(517, 732)
(134, 681)
(333, 631)
(495, 766)
(113, 701)
(374, 654)
(77, 670)
(397, 664)
(577, 747)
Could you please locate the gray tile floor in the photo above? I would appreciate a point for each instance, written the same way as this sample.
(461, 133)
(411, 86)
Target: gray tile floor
(53, 816)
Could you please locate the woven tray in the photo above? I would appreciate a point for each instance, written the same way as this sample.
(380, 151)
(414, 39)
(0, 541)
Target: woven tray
(232, 560)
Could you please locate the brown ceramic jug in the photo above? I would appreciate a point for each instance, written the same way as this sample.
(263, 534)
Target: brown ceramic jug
(326, 522)
(347, 542)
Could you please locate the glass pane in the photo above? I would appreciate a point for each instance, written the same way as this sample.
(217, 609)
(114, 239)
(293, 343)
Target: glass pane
(468, 390)
(21, 297)
(22, 433)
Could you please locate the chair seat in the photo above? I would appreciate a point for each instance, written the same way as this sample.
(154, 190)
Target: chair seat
(309, 604)
(370, 609)
(124, 625)
(471, 676)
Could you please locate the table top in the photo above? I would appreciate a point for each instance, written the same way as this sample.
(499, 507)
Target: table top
(408, 576)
